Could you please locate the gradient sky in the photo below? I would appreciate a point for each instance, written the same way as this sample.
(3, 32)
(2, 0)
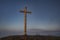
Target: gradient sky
(45, 14)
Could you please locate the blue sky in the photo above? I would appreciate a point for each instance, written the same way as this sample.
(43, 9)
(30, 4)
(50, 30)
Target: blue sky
(45, 14)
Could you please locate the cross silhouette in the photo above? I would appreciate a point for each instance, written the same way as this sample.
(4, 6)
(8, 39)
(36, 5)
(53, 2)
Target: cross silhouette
(25, 20)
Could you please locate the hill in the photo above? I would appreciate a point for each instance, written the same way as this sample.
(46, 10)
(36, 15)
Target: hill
(30, 37)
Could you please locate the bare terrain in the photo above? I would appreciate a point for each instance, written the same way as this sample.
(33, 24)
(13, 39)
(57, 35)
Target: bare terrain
(30, 37)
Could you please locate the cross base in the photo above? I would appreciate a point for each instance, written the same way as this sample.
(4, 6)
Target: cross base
(25, 37)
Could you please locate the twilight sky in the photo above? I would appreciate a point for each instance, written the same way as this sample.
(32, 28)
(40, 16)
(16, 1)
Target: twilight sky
(45, 14)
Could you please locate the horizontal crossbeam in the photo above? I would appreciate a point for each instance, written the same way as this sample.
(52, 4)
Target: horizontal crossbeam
(26, 12)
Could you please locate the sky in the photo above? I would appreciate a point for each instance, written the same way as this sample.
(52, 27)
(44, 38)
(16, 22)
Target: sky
(45, 14)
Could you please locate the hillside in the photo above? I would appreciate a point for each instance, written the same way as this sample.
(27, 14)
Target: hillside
(30, 37)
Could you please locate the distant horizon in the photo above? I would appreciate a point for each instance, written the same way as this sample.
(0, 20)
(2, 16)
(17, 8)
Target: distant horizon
(4, 33)
(28, 29)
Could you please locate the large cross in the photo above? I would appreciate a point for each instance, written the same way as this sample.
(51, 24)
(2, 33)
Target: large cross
(25, 20)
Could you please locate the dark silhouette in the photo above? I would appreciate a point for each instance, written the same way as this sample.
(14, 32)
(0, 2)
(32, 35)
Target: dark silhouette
(30, 37)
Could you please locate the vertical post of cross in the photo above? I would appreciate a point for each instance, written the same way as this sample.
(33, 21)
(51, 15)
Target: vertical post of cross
(25, 23)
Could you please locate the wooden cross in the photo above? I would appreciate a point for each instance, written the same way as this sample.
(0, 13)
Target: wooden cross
(25, 21)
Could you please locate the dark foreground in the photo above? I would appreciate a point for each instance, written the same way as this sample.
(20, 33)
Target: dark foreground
(30, 37)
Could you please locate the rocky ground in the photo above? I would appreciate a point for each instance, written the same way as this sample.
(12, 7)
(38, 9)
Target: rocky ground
(30, 37)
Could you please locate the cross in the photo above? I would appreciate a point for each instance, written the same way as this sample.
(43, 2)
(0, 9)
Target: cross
(25, 21)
